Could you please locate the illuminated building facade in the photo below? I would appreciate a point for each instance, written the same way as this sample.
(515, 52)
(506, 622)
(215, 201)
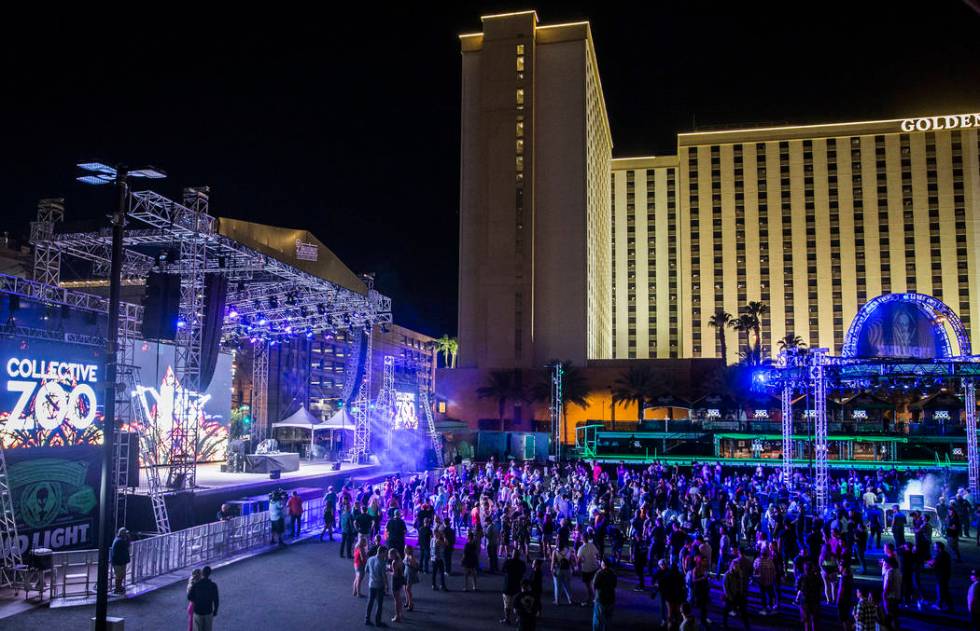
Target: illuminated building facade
(812, 220)
(534, 196)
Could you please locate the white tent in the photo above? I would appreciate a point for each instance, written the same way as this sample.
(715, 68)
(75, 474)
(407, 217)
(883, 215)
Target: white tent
(302, 419)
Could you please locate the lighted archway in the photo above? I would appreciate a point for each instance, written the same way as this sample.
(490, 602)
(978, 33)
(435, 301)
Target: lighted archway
(908, 325)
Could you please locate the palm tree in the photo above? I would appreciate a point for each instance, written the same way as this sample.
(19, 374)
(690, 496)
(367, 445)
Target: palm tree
(442, 345)
(744, 324)
(719, 321)
(453, 350)
(756, 309)
(504, 386)
(791, 342)
(633, 386)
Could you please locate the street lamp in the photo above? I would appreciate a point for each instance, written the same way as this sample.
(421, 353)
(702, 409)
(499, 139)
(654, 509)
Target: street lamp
(100, 174)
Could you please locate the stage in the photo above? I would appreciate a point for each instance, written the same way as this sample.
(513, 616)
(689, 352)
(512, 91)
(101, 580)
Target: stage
(215, 487)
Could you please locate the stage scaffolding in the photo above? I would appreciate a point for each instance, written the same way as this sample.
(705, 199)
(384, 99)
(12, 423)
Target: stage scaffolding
(272, 299)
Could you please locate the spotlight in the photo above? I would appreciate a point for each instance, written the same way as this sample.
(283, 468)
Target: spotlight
(232, 313)
(262, 321)
(181, 323)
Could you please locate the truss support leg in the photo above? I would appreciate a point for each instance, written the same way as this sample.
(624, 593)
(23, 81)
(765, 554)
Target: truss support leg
(787, 423)
(260, 392)
(362, 425)
(819, 430)
(970, 392)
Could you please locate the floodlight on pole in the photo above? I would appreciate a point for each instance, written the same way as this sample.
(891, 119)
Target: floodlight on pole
(118, 176)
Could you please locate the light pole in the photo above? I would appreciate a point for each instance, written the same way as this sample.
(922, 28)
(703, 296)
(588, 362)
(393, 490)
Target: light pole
(103, 174)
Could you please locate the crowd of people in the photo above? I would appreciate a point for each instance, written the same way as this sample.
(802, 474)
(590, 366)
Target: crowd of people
(680, 533)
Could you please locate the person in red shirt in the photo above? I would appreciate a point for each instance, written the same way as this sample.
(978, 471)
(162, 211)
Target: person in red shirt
(295, 508)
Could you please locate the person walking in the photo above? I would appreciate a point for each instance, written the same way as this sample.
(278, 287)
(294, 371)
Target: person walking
(471, 560)
(514, 570)
(376, 571)
(119, 559)
(524, 605)
(561, 572)
(604, 588)
(295, 508)
(450, 535)
(764, 571)
(204, 599)
(395, 531)
(492, 535)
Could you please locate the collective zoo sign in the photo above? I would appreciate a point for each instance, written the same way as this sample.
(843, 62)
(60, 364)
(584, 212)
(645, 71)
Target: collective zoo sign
(59, 390)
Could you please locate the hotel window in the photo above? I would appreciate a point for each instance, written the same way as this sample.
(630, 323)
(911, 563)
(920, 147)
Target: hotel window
(520, 127)
(883, 239)
(519, 163)
(519, 96)
(519, 148)
(959, 215)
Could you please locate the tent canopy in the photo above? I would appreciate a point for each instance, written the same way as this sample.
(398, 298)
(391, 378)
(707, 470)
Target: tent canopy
(302, 419)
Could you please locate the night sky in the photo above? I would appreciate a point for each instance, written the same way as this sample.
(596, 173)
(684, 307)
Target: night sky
(347, 124)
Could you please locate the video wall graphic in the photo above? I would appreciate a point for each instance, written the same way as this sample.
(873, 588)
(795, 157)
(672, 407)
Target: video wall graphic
(165, 401)
(51, 394)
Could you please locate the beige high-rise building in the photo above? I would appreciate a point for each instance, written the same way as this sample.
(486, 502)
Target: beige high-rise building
(812, 220)
(535, 246)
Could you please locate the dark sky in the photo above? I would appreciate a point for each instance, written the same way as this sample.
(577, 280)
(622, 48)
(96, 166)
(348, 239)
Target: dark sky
(347, 124)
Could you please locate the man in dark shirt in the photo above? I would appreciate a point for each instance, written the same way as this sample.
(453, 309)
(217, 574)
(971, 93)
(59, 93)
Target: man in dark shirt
(204, 596)
(363, 522)
(425, 543)
(395, 531)
(605, 597)
(526, 607)
(514, 570)
(942, 566)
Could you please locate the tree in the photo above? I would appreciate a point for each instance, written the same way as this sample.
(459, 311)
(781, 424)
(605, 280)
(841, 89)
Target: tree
(443, 345)
(719, 321)
(504, 386)
(744, 324)
(453, 350)
(791, 342)
(633, 386)
(756, 309)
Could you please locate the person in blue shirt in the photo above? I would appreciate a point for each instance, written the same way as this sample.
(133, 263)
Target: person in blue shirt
(377, 576)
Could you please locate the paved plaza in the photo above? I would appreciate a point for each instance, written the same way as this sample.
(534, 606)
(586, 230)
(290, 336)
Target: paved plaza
(306, 585)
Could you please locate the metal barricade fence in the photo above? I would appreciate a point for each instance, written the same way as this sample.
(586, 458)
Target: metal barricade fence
(74, 572)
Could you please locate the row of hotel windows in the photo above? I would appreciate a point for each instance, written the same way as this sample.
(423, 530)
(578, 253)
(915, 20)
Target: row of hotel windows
(934, 265)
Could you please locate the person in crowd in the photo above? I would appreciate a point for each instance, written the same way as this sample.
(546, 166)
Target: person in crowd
(396, 576)
(587, 559)
(687, 620)
(330, 517)
(411, 577)
(395, 530)
(845, 595)
(376, 571)
(348, 531)
(942, 567)
(866, 613)
(360, 565)
(514, 569)
(973, 600)
(277, 521)
(735, 598)
(191, 582)
(891, 591)
(471, 560)
(561, 573)
(809, 589)
(604, 588)
(537, 583)
(203, 596)
(450, 536)
(225, 513)
(439, 560)
(424, 533)
(119, 560)
(526, 608)
(295, 508)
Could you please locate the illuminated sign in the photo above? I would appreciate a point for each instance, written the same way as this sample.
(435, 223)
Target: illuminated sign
(307, 251)
(860, 414)
(50, 395)
(762, 414)
(937, 123)
(406, 413)
(941, 415)
(713, 413)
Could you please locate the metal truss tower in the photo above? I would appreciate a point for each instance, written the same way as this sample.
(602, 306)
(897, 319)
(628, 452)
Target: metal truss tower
(47, 259)
(557, 407)
(970, 401)
(430, 423)
(787, 423)
(10, 557)
(260, 391)
(816, 366)
(362, 425)
(384, 405)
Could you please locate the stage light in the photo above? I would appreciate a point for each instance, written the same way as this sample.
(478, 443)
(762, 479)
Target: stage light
(232, 313)
(289, 329)
(262, 321)
(181, 323)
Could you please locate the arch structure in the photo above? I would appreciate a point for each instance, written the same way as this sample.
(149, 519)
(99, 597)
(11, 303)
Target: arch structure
(906, 325)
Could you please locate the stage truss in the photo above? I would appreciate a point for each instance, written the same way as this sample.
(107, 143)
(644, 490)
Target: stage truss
(271, 300)
(813, 372)
(384, 405)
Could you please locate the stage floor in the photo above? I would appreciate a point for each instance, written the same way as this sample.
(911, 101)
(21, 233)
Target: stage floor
(210, 478)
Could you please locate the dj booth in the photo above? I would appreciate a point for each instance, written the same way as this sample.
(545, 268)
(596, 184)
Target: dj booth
(267, 463)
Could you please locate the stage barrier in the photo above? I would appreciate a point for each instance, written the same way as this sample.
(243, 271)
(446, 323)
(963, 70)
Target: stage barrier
(73, 572)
